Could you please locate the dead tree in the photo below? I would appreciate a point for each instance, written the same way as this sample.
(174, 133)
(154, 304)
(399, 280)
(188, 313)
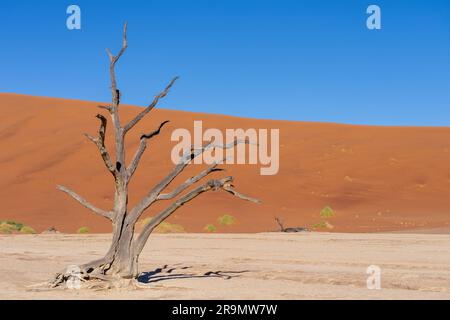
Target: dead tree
(283, 229)
(121, 260)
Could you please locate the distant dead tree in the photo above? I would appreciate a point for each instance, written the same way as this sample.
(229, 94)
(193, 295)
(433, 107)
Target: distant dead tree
(120, 264)
(283, 229)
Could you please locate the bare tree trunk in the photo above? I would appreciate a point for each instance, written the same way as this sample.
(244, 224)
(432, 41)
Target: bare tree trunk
(121, 260)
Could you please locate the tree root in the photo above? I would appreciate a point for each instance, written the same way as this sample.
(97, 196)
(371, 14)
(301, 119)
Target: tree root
(93, 278)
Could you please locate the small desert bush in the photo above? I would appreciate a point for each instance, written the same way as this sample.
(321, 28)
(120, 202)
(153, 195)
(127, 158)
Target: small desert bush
(83, 230)
(322, 225)
(8, 227)
(326, 212)
(226, 220)
(210, 228)
(27, 230)
(164, 227)
(319, 225)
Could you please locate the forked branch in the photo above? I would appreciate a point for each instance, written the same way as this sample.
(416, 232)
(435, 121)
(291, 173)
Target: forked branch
(142, 146)
(85, 203)
(113, 58)
(210, 185)
(189, 182)
(114, 109)
(185, 160)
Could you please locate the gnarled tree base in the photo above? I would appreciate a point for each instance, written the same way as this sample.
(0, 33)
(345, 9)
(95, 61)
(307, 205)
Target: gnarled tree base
(106, 273)
(91, 278)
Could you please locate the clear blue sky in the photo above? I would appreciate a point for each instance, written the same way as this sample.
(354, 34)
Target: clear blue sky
(297, 60)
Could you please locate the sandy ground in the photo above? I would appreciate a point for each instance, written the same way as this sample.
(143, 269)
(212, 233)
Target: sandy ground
(242, 266)
(377, 179)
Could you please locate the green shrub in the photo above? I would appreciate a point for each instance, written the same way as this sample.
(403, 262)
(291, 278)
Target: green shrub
(164, 227)
(16, 226)
(83, 230)
(210, 228)
(320, 225)
(326, 212)
(226, 220)
(27, 230)
(8, 227)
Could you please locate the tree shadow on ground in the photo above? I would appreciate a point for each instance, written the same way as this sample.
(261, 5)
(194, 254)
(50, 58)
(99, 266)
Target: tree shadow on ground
(171, 273)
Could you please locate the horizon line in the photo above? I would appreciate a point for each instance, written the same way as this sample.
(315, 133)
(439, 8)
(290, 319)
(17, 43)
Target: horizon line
(230, 115)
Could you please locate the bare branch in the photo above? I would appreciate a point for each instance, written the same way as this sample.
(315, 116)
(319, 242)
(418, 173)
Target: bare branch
(195, 152)
(91, 138)
(155, 101)
(110, 55)
(142, 239)
(105, 107)
(188, 183)
(113, 58)
(230, 188)
(100, 143)
(102, 129)
(210, 185)
(152, 196)
(142, 146)
(114, 91)
(85, 203)
(155, 132)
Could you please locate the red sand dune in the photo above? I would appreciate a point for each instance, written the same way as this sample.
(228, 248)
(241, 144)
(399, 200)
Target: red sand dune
(375, 178)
